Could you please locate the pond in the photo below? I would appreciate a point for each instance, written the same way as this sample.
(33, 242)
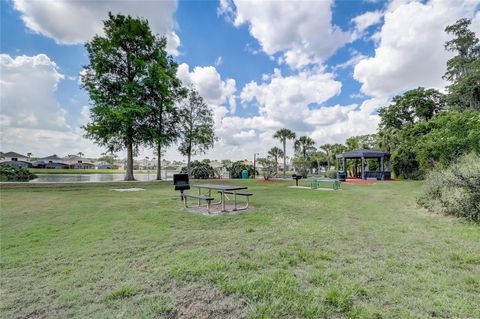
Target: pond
(90, 178)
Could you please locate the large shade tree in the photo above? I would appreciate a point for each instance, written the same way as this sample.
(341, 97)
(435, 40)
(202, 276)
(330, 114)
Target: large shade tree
(283, 135)
(115, 79)
(164, 90)
(196, 132)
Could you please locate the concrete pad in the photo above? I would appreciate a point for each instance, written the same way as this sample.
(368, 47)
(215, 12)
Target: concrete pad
(128, 189)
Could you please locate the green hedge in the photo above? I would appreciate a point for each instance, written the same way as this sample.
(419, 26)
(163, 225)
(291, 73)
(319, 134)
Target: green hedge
(15, 173)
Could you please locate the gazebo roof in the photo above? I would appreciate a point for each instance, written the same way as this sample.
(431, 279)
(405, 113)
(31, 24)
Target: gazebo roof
(363, 153)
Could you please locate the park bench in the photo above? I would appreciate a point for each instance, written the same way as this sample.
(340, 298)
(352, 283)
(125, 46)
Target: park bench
(208, 199)
(317, 183)
(246, 195)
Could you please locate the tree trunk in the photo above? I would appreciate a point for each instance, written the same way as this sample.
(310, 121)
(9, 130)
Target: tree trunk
(284, 158)
(276, 166)
(189, 172)
(129, 173)
(159, 162)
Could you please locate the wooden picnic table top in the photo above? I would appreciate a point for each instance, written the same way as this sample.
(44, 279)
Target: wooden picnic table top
(220, 187)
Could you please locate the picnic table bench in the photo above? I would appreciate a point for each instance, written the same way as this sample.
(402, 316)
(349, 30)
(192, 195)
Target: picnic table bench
(208, 199)
(235, 194)
(316, 183)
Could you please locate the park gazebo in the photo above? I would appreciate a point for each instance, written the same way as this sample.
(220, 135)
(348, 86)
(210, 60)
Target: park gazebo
(382, 173)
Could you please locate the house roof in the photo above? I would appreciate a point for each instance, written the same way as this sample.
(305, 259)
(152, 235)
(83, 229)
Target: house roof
(363, 153)
(50, 158)
(13, 154)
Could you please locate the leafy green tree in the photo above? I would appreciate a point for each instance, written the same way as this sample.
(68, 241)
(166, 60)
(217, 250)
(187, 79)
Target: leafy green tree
(388, 139)
(463, 70)
(276, 152)
(115, 80)
(283, 135)
(196, 132)
(269, 167)
(164, 90)
(329, 154)
(304, 146)
(318, 158)
(413, 106)
(446, 138)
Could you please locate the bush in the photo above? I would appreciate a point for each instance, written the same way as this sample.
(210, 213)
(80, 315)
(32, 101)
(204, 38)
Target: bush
(237, 168)
(331, 174)
(455, 190)
(200, 170)
(268, 167)
(15, 173)
(302, 166)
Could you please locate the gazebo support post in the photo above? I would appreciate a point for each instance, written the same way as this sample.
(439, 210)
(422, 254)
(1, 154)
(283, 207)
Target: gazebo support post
(363, 167)
(382, 168)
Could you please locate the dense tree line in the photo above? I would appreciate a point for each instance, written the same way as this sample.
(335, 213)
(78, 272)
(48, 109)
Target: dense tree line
(137, 100)
(422, 128)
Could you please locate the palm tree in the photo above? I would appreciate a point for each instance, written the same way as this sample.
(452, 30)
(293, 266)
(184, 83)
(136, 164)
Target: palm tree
(304, 145)
(328, 148)
(283, 135)
(319, 157)
(29, 154)
(80, 154)
(276, 152)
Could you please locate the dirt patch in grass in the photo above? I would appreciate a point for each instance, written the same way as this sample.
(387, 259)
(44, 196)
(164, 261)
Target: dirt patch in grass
(205, 301)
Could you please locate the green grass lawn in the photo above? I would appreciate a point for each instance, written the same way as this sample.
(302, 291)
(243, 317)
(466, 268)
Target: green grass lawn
(84, 251)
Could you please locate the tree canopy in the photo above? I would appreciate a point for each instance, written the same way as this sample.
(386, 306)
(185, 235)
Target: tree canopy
(116, 82)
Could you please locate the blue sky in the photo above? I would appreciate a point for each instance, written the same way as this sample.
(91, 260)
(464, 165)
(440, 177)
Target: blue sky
(321, 68)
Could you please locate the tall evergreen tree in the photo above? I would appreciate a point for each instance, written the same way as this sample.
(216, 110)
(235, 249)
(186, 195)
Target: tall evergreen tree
(196, 132)
(115, 80)
(463, 70)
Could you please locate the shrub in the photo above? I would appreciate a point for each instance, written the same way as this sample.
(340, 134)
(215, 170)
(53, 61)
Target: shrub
(268, 167)
(15, 173)
(237, 168)
(200, 170)
(455, 190)
(331, 174)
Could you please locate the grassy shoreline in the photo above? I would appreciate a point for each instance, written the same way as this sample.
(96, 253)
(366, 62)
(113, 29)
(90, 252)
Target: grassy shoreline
(368, 251)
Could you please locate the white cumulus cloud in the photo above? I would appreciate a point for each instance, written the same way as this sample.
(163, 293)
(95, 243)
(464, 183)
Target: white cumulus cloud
(31, 119)
(410, 50)
(77, 21)
(301, 30)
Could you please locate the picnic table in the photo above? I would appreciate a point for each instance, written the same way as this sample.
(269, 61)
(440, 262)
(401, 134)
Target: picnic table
(222, 189)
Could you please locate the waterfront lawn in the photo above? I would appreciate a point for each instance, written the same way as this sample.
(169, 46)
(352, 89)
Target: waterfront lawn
(84, 251)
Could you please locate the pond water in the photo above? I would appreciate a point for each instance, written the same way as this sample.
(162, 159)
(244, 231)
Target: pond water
(86, 178)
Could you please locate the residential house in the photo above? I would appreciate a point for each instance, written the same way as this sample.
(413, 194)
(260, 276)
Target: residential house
(12, 158)
(103, 165)
(52, 161)
(77, 162)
